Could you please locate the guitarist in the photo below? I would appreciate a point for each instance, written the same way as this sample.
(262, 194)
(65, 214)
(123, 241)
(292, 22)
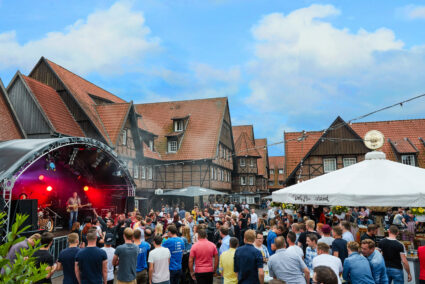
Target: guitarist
(72, 205)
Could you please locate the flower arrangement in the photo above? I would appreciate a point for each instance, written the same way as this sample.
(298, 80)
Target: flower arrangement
(418, 211)
(288, 206)
(339, 209)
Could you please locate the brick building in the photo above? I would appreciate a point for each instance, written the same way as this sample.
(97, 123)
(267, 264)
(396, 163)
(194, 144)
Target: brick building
(276, 173)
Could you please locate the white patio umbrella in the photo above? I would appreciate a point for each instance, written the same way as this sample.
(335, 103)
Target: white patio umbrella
(372, 182)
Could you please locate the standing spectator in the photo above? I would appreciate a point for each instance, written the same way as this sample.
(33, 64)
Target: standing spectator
(302, 240)
(376, 261)
(249, 261)
(271, 236)
(226, 266)
(323, 258)
(16, 248)
(295, 227)
(186, 238)
(270, 214)
(258, 244)
(142, 258)
(311, 250)
(43, 256)
(176, 247)
(356, 267)
(202, 254)
(217, 237)
(254, 220)
(372, 230)
(126, 257)
(324, 275)
(346, 231)
(66, 260)
(326, 237)
(421, 256)
(287, 265)
(110, 252)
(91, 262)
(394, 256)
(339, 245)
(290, 239)
(225, 239)
(159, 260)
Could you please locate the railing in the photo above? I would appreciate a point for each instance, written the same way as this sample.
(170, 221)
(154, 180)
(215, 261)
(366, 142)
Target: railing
(59, 244)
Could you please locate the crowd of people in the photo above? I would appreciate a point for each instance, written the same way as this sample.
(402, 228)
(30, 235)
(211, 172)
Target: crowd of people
(231, 242)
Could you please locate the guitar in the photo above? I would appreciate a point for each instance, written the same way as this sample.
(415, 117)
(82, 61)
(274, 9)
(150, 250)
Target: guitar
(74, 207)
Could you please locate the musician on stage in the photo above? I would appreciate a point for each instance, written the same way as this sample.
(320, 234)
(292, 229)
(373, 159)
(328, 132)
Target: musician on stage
(72, 205)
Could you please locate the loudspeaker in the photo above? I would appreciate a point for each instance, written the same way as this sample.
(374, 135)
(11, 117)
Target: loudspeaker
(129, 204)
(27, 207)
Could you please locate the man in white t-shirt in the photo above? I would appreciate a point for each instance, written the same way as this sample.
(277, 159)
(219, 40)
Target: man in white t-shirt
(270, 213)
(159, 261)
(110, 251)
(291, 239)
(323, 258)
(254, 219)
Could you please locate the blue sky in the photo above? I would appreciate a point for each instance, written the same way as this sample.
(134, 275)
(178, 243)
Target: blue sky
(284, 65)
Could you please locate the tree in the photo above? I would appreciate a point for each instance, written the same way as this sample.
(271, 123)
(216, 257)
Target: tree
(23, 270)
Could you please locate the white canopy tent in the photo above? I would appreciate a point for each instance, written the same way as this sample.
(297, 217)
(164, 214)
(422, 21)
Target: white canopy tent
(372, 182)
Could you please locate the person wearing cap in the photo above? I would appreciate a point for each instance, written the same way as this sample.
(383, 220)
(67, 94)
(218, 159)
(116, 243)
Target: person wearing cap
(66, 260)
(110, 251)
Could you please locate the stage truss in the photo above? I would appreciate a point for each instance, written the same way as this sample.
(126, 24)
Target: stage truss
(11, 175)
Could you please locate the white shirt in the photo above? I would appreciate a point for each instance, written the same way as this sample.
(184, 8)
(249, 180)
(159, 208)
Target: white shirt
(110, 254)
(236, 213)
(330, 261)
(348, 236)
(254, 218)
(270, 213)
(296, 249)
(160, 258)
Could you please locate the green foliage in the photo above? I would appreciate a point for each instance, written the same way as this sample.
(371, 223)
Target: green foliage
(23, 270)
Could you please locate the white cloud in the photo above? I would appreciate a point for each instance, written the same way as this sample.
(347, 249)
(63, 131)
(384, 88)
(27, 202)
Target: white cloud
(413, 12)
(304, 65)
(103, 42)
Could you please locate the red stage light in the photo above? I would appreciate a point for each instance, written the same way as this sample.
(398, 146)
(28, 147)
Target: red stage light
(49, 188)
(40, 177)
(86, 188)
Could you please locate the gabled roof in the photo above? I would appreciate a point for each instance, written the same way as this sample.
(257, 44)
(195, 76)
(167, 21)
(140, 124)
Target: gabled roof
(296, 148)
(403, 146)
(201, 136)
(113, 117)
(54, 108)
(10, 126)
(263, 162)
(244, 146)
(277, 162)
(81, 89)
(239, 129)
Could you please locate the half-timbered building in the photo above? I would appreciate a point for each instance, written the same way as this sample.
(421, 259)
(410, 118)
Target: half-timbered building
(276, 172)
(313, 153)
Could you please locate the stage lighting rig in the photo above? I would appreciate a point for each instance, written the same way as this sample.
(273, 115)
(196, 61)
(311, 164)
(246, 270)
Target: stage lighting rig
(73, 155)
(99, 159)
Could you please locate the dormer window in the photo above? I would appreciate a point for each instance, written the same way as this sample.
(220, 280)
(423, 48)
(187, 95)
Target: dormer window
(178, 125)
(172, 146)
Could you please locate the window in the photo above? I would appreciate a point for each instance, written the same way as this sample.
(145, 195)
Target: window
(124, 136)
(348, 161)
(272, 171)
(172, 146)
(150, 173)
(215, 174)
(136, 171)
(329, 165)
(281, 171)
(219, 174)
(243, 162)
(178, 125)
(212, 173)
(151, 145)
(271, 182)
(243, 180)
(251, 164)
(222, 175)
(408, 160)
(251, 180)
(143, 172)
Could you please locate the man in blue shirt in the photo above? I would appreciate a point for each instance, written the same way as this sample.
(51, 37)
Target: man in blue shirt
(356, 267)
(270, 238)
(176, 247)
(66, 260)
(142, 257)
(249, 261)
(376, 260)
(225, 240)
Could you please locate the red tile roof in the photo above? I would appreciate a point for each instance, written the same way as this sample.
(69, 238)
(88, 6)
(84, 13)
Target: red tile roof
(10, 128)
(403, 146)
(81, 89)
(277, 162)
(54, 108)
(262, 163)
(148, 153)
(296, 150)
(239, 129)
(200, 139)
(244, 146)
(113, 117)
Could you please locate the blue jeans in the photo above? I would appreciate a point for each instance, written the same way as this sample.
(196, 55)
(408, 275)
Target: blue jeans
(72, 218)
(253, 226)
(175, 276)
(395, 275)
